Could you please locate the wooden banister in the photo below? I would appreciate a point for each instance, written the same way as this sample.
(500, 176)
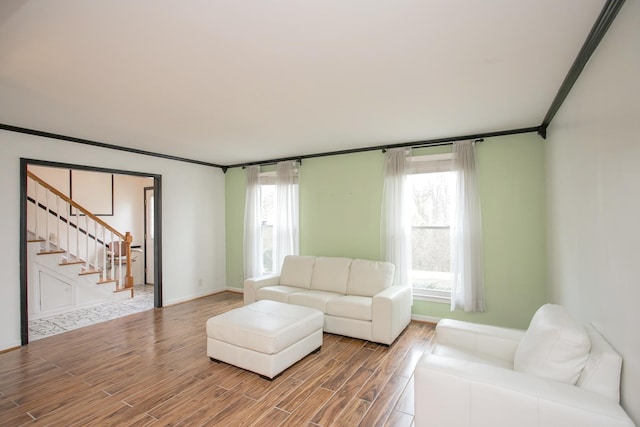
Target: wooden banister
(128, 279)
(127, 238)
(74, 204)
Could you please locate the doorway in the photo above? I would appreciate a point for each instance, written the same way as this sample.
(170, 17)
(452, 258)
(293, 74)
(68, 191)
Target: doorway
(152, 252)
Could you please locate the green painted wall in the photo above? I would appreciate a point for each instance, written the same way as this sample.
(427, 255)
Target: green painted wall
(340, 199)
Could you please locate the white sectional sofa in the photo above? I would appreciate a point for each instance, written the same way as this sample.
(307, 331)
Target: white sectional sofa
(356, 296)
(556, 373)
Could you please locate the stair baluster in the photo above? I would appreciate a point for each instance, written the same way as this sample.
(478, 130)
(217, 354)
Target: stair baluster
(92, 262)
(68, 226)
(46, 221)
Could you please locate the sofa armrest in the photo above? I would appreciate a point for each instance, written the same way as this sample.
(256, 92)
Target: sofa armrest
(451, 392)
(253, 284)
(391, 313)
(489, 340)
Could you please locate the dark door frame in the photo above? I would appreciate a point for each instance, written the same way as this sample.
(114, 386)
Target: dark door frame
(157, 244)
(144, 243)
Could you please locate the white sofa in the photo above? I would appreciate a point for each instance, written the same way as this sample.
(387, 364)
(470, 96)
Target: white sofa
(556, 373)
(356, 296)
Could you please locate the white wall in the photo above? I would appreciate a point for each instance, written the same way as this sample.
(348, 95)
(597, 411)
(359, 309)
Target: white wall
(192, 219)
(593, 164)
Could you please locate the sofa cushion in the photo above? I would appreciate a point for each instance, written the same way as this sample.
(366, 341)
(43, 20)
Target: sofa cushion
(555, 346)
(313, 299)
(331, 274)
(350, 306)
(276, 293)
(296, 271)
(367, 278)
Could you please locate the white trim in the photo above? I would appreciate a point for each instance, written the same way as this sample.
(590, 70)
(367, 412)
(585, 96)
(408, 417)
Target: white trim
(234, 289)
(190, 297)
(432, 298)
(422, 318)
(430, 163)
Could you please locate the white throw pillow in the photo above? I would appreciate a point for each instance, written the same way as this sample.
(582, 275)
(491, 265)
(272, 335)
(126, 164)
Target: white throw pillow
(297, 270)
(555, 346)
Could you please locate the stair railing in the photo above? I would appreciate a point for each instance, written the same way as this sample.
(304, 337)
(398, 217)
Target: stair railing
(115, 245)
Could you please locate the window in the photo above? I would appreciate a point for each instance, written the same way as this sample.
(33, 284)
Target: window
(278, 217)
(431, 185)
(268, 218)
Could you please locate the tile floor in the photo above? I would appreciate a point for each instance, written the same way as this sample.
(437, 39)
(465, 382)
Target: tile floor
(52, 325)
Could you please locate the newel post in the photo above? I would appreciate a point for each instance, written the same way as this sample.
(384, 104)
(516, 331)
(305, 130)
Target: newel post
(128, 280)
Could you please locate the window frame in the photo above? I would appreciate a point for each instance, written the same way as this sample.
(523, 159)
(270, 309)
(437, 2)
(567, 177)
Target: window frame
(430, 163)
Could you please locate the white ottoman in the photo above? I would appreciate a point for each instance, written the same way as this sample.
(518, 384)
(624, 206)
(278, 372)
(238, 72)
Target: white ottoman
(265, 337)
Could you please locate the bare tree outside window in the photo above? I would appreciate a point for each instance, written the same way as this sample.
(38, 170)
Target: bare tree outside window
(431, 206)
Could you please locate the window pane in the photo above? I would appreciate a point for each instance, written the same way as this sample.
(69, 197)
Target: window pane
(430, 249)
(431, 196)
(267, 211)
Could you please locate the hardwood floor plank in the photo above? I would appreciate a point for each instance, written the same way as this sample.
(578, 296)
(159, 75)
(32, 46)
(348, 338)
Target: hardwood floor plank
(273, 417)
(302, 415)
(406, 403)
(382, 407)
(341, 398)
(151, 369)
(351, 366)
(284, 387)
(399, 419)
(295, 399)
(187, 401)
(352, 414)
(71, 409)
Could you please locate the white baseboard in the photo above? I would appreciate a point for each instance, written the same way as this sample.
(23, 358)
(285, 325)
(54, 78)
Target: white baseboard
(190, 297)
(421, 318)
(234, 289)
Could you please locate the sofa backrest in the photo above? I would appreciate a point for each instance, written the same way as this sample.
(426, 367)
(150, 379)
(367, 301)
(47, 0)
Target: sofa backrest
(297, 270)
(601, 374)
(367, 278)
(331, 274)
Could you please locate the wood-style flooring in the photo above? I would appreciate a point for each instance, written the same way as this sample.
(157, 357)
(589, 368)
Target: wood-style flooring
(151, 369)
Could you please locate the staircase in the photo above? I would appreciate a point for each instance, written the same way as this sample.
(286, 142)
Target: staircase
(75, 258)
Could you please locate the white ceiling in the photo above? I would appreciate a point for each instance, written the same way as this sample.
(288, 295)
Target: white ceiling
(231, 81)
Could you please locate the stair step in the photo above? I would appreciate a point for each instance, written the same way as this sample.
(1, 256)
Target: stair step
(51, 252)
(34, 240)
(101, 282)
(87, 272)
(79, 261)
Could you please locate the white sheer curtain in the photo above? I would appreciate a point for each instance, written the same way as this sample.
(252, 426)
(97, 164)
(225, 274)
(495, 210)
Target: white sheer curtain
(467, 289)
(286, 230)
(252, 225)
(395, 226)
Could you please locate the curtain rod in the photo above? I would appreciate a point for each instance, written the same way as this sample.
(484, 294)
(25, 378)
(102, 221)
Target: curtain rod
(414, 144)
